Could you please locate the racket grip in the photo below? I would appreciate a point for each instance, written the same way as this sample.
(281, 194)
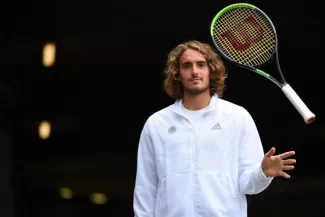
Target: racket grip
(304, 111)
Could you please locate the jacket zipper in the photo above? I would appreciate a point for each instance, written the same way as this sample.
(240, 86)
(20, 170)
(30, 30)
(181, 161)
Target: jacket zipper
(194, 170)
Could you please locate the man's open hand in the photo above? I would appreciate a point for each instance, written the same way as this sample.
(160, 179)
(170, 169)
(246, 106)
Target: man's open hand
(276, 165)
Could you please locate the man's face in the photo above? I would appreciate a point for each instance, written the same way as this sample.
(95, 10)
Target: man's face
(194, 72)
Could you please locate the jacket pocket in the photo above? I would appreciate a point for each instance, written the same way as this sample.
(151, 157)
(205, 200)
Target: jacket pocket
(160, 198)
(217, 196)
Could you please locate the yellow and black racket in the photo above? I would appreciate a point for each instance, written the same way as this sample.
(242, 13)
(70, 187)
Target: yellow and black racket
(243, 34)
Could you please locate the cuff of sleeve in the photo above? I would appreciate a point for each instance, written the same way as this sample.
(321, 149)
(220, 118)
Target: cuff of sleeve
(261, 176)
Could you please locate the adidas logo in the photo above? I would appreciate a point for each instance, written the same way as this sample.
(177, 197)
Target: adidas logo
(216, 127)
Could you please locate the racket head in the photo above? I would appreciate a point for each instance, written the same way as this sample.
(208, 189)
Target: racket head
(244, 34)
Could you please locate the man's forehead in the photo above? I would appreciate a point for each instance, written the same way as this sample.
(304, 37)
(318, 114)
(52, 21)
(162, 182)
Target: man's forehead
(193, 60)
(192, 56)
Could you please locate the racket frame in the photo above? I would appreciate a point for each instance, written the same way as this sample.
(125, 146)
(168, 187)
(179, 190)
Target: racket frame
(254, 68)
(293, 97)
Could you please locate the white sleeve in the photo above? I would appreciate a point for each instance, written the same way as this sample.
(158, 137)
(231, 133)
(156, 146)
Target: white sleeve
(251, 177)
(146, 178)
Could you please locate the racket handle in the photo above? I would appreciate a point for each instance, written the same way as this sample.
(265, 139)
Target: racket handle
(304, 111)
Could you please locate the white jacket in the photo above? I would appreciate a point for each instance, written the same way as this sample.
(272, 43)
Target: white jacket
(198, 171)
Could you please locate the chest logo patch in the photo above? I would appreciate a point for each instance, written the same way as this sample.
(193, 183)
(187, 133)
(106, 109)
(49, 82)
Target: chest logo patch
(172, 130)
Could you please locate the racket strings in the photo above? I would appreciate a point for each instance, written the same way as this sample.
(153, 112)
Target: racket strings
(245, 36)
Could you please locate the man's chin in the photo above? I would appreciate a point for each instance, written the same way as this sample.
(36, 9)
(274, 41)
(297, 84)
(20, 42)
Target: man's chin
(196, 91)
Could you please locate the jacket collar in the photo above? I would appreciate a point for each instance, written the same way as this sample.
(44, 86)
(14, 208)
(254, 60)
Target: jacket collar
(213, 105)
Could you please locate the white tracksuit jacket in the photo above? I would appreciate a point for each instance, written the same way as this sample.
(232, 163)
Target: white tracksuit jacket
(198, 171)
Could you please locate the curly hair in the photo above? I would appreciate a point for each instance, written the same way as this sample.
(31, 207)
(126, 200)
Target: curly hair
(218, 74)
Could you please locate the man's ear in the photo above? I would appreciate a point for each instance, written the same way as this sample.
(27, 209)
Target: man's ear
(176, 77)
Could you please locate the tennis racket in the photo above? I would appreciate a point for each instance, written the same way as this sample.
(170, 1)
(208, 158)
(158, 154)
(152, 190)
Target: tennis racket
(244, 35)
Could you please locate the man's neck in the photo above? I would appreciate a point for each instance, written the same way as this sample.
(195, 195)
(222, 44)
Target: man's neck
(196, 102)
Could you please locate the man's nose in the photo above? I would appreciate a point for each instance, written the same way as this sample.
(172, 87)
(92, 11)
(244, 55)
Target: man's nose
(195, 71)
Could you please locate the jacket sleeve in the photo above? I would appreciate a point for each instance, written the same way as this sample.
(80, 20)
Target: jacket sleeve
(146, 177)
(251, 177)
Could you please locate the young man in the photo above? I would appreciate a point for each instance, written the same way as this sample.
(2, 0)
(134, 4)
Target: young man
(201, 155)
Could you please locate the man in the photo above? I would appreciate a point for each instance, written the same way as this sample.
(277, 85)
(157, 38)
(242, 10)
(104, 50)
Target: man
(201, 155)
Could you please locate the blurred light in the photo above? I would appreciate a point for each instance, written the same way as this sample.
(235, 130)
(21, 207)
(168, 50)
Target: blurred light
(44, 130)
(49, 54)
(66, 193)
(98, 198)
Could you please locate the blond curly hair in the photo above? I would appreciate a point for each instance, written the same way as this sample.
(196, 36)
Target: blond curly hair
(218, 74)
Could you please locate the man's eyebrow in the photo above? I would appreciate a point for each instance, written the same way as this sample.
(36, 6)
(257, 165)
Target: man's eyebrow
(189, 62)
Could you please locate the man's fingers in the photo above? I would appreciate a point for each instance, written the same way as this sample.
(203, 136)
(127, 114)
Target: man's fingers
(287, 154)
(288, 167)
(285, 175)
(270, 152)
(289, 161)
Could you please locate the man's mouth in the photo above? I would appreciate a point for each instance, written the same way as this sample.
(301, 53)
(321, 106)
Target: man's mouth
(195, 79)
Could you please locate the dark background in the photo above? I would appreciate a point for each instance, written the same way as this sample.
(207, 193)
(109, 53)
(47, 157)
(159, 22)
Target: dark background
(107, 80)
